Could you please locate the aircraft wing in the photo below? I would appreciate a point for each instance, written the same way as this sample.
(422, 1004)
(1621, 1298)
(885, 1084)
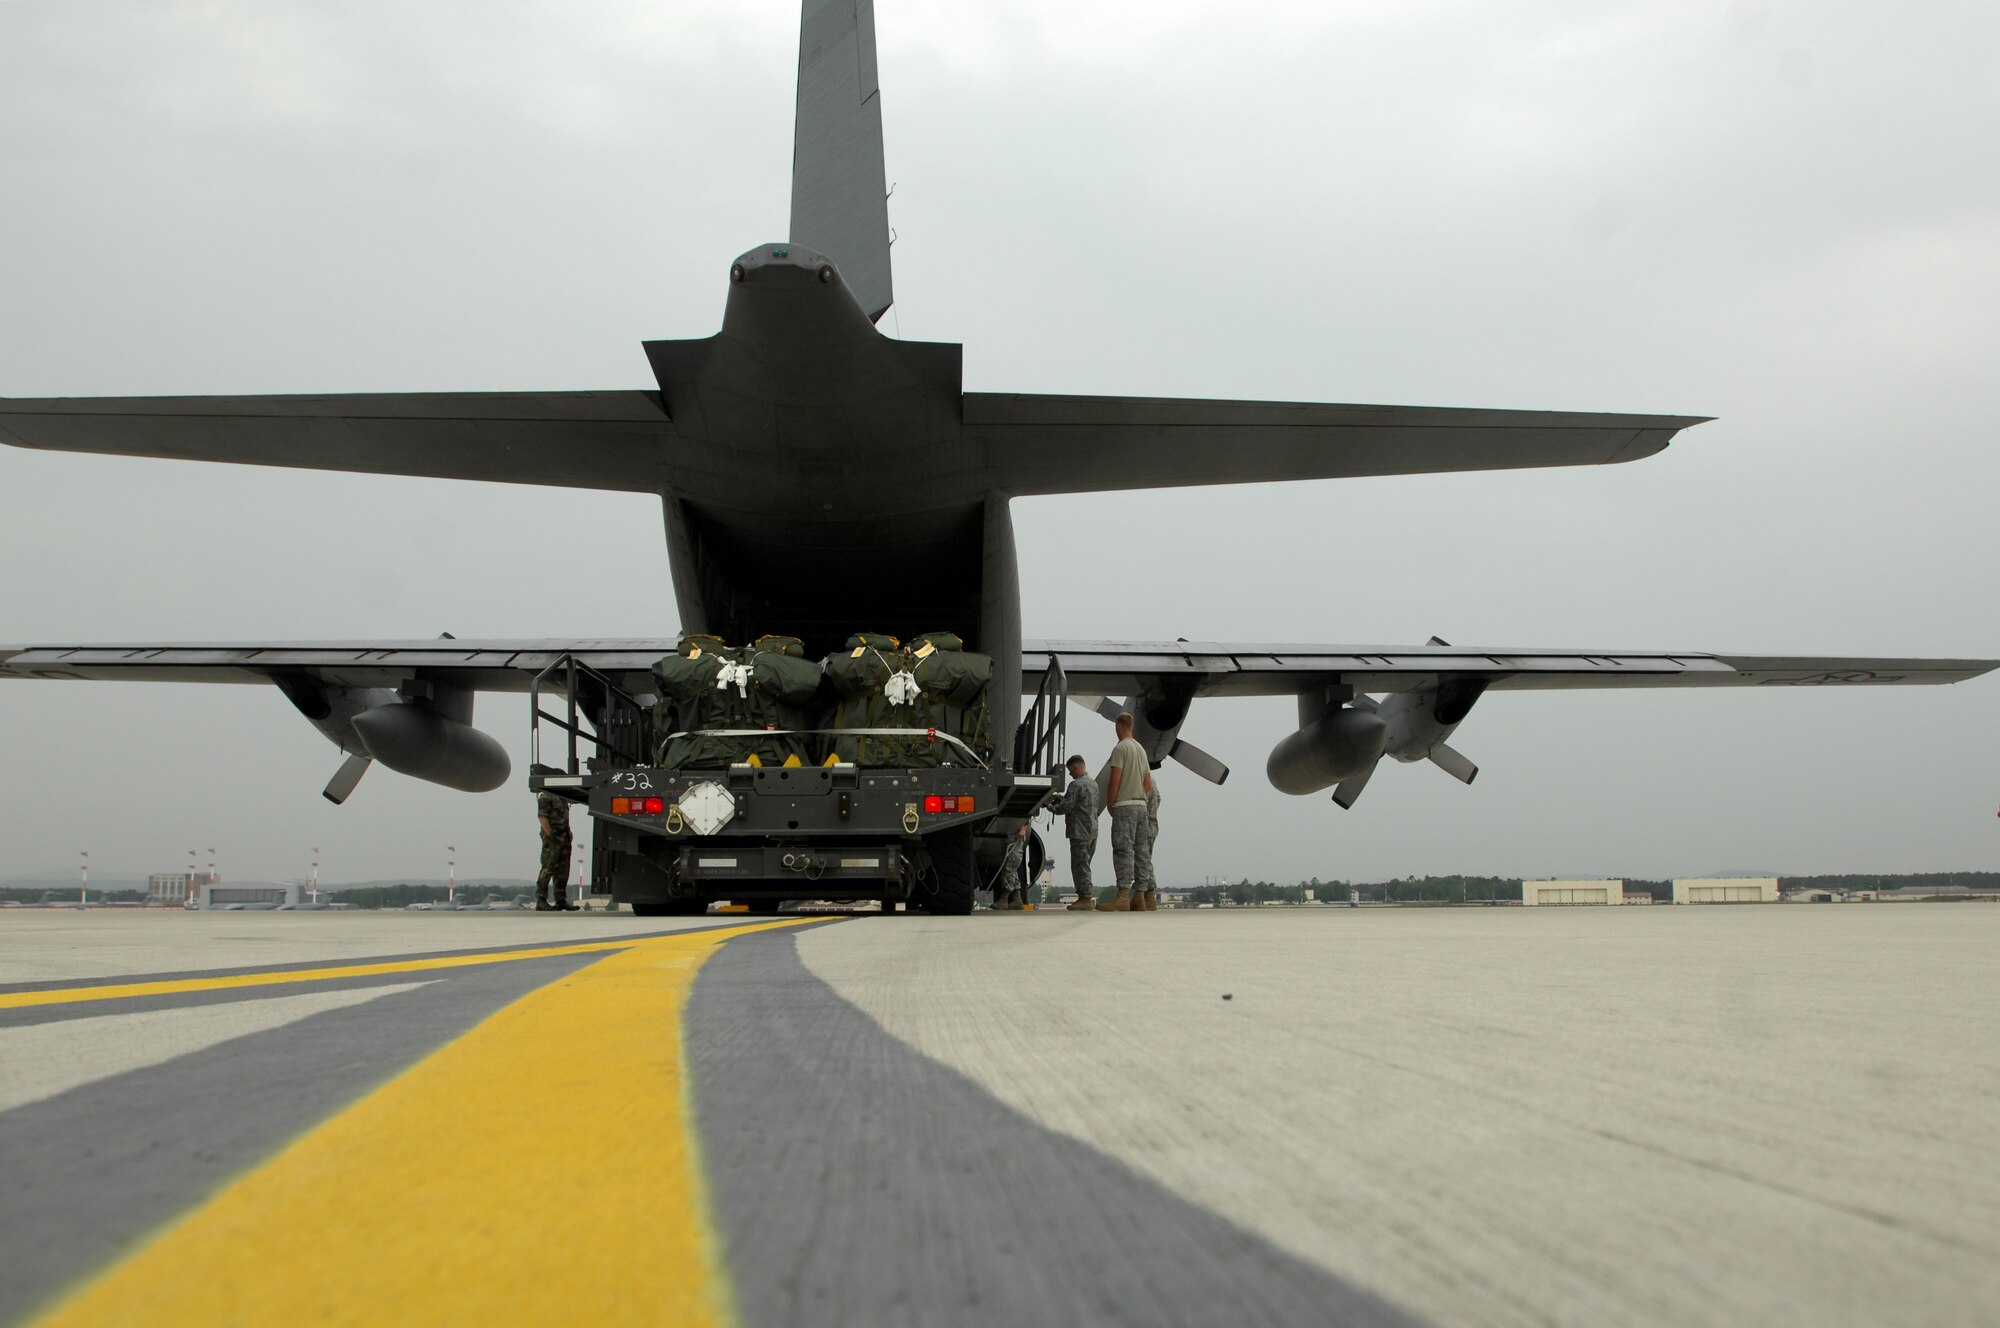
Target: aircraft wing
(1067, 444)
(1425, 693)
(1199, 668)
(357, 693)
(599, 440)
(408, 704)
(483, 666)
(1094, 668)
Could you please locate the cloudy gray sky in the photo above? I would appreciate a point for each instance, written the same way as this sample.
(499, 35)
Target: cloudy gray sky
(1785, 215)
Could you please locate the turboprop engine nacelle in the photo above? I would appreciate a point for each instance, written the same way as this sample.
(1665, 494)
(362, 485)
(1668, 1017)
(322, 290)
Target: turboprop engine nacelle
(424, 731)
(417, 741)
(1338, 745)
(1418, 722)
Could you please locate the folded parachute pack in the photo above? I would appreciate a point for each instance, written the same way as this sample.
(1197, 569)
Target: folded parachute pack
(935, 684)
(952, 682)
(873, 689)
(707, 685)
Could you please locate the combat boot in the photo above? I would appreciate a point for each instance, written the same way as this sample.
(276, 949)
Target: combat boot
(1153, 901)
(542, 904)
(562, 904)
(1120, 903)
(1083, 904)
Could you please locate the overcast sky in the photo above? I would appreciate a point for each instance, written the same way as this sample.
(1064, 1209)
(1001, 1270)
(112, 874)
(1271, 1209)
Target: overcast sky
(1785, 215)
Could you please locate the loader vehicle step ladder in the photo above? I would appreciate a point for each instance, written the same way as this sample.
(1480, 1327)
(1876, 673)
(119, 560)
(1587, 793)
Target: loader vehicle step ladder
(618, 722)
(1043, 736)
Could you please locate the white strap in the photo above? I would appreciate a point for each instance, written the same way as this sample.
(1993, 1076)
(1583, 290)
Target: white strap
(736, 675)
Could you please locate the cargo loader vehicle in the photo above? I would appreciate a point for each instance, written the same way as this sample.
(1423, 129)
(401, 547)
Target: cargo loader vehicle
(917, 822)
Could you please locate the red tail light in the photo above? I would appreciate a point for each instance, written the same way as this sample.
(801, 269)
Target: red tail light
(933, 804)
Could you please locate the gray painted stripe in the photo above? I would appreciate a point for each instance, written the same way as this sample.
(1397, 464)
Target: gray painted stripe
(90, 1173)
(857, 1181)
(49, 1014)
(642, 930)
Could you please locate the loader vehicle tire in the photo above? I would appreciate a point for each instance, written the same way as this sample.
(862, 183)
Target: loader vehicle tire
(669, 908)
(952, 864)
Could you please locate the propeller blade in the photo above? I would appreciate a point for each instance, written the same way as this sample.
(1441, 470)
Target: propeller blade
(344, 779)
(1189, 755)
(1347, 791)
(1198, 761)
(1453, 763)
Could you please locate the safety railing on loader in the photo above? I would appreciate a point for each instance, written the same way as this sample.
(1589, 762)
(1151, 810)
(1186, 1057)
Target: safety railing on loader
(618, 721)
(1040, 741)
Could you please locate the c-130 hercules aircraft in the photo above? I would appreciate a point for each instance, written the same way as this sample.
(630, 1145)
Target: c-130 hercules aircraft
(819, 478)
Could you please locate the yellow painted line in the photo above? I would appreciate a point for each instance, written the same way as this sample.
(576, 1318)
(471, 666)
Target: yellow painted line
(541, 1168)
(174, 986)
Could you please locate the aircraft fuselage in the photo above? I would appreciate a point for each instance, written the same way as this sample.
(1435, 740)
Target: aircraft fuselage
(824, 485)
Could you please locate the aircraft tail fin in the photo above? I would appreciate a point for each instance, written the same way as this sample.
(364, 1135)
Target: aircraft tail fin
(840, 204)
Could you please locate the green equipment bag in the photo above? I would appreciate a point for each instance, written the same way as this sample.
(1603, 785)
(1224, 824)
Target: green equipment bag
(782, 680)
(952, 677)
(863, 679)
(714, 686)
(783, 690)
(953, 682)
(687, 696)
(857, 671)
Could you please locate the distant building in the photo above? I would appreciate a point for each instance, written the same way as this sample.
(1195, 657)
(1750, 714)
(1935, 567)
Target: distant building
(252, 894)
(1727, 890)
(1573, 892)
(1638, 897)
(172, 887)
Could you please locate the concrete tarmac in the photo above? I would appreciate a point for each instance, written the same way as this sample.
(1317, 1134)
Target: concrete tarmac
(1775, 1114)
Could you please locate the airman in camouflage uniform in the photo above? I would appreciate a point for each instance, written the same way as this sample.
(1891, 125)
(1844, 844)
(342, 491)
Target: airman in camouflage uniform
(1081, 804)
(552, 886)
(1129, 778)
(1008, 896)
(1148, 883)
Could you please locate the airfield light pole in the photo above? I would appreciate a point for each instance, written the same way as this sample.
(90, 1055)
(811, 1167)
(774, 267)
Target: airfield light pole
(83, 895)
(211, 869)
(194, 875)
(315, 877)
(451, 874)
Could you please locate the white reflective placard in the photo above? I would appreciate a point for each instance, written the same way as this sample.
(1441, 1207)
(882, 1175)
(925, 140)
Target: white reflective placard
(707, 807)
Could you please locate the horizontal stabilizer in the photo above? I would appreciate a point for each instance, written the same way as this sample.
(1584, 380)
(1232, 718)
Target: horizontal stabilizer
(584, 440)
(1069, 444)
